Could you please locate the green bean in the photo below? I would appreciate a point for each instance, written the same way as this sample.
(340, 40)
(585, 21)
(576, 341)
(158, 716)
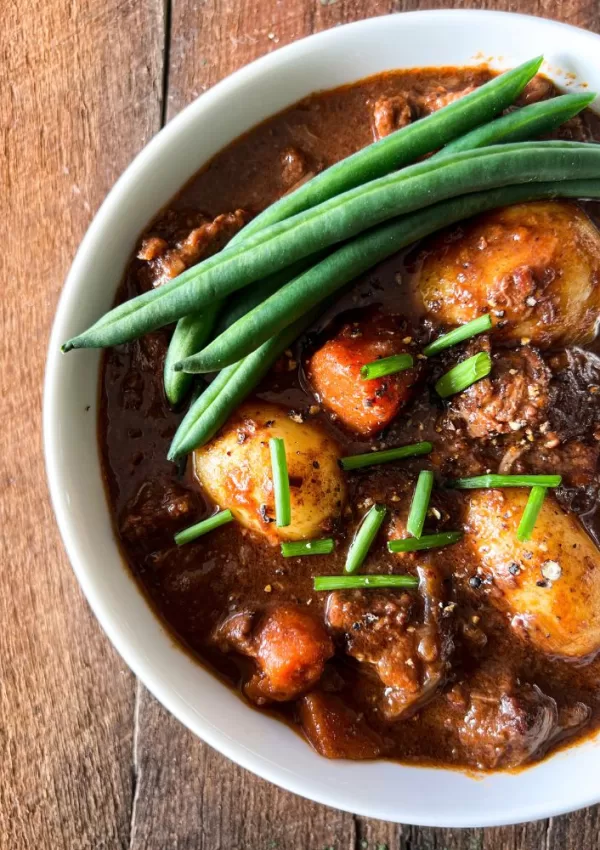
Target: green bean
(530, 122)
(189, 336)
(357, 256)
(212, 409)
(195, 329)
(251, 296)
(336, 220)
(200, 405)
(402, 147)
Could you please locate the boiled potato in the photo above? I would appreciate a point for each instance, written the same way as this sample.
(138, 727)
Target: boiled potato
(550, 585)
(235, 470)
(535, 267)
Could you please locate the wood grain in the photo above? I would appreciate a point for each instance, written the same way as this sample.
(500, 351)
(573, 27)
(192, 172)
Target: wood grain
(89, 759)
(79, 96)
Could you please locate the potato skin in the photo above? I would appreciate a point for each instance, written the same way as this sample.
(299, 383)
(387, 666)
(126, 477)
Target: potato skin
(561, 617)
(235, 471)
(535, 267)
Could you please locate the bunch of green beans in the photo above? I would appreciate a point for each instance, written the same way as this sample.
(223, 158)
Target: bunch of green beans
(283, 250)
(390, 152)
(352, 259)
(394, 151)
(192, 332)
(214, 406)
(530, 122)
(336, 220)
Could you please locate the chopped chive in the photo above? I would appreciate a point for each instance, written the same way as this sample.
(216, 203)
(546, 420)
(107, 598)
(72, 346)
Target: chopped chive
(420, 503)
(386, 366)
(466, 331)
(464, 374)
(373, 458)
(485, 482)
(364, 537)
(307, 547)
(530, 514)
(281, 483)
(429, 541)
(352, 582)
(194, 531)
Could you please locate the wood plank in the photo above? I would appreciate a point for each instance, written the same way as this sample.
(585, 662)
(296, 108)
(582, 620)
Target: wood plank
(191, 798)
(79, 96)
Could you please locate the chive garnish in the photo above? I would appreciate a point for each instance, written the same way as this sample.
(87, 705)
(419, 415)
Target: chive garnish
(281, 482)
(464, 374)
(373, 458)
(530, 514)
(386, 366)
(466, 331)
(307, 547)
(428, 541)
(194, 531)
(485, 482)
(352, 582)
(364, 537)
(420, 503)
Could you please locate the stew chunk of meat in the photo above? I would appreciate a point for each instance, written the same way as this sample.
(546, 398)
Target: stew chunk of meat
(406, 641)
(335, 730)
(549, 585)
(334, 373)
(441, 97)
(515, 395)
(535, 267)
(156, 512)
(390, 114)
(507, 723)
(174, 247)
(235, 470)
(290, 647)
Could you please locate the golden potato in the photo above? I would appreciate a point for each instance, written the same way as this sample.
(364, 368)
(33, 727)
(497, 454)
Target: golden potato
(550, 585)
(235, 470)
(535, 267)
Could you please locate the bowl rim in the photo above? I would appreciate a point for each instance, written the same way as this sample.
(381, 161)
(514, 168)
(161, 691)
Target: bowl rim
(140, 664)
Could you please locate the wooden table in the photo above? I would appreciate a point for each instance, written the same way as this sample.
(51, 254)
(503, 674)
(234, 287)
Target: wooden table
(88, 759)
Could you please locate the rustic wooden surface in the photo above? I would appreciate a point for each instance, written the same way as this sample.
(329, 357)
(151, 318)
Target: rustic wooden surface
(87, 758)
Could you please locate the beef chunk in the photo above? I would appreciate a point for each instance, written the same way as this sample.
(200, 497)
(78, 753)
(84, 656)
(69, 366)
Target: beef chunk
(441, 97)
(575, 393)
(334, 372)
(175, 247)
(335, 730)
(575, 461)
(539, 88)
(296, 168)
(403, 637)
(290, 647)
(158, 510)
(514, 397)
(390, 114)
(506, 723)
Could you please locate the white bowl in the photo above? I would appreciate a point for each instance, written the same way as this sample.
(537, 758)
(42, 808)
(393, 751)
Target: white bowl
(431, 797)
